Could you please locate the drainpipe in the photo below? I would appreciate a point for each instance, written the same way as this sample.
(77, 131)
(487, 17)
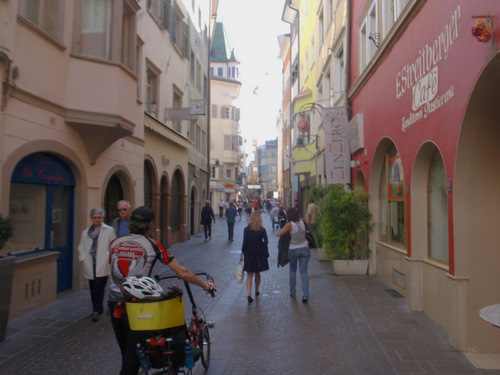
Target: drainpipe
(209, 105)
(348, 58)
(291, 101)
(348, 66)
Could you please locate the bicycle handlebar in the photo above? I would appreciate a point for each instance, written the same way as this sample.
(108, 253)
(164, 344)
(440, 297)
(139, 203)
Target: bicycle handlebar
(209, 278)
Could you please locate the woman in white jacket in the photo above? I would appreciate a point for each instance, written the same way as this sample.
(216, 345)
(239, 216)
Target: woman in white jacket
(93, 251)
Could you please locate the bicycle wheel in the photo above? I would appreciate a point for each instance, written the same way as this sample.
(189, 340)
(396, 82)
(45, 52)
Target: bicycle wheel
(204, 345)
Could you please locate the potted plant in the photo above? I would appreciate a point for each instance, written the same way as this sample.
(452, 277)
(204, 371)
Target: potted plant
(6, 230)
(6, 274)
(345, 226)
(318, 194)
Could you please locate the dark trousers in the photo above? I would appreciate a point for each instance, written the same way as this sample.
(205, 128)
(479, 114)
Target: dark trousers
(127, 341)
(97, 288)
(230, 230)
(221, 211)
(208, 229)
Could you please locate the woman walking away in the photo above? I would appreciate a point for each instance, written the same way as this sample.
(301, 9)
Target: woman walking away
(93, 251)
(255, 252)
(207, 214)
(298, 251)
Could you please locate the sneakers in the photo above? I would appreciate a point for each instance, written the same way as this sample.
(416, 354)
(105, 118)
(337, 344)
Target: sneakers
(304, 300)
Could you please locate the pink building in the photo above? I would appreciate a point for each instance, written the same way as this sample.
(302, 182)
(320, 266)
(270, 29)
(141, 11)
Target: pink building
(424, 93)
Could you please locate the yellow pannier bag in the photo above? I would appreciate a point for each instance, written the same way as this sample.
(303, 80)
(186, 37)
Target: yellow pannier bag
(155, 315)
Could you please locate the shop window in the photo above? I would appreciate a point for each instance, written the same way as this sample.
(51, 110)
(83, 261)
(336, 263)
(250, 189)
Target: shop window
(47, 15)
(392, 198)
(438, 210)
(27, 210)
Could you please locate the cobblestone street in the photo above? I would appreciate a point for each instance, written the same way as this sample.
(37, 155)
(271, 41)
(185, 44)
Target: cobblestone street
(352, 325)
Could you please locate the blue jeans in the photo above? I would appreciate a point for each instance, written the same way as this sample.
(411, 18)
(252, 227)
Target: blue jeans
(301, 255)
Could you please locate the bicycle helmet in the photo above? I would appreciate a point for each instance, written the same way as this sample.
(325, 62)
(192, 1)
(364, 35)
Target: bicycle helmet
(141, 287)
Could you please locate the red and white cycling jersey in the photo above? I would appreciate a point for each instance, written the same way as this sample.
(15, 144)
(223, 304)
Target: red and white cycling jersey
(133, 255)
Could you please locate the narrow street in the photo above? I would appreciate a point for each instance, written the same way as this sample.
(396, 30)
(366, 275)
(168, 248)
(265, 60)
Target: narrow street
(353, 325)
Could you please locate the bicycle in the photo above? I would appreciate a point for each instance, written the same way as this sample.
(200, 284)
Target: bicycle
(164, 325)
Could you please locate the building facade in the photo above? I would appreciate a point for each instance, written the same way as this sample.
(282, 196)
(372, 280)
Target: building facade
(226, 156)
(267, 167)
(424, 144)
(85, 121)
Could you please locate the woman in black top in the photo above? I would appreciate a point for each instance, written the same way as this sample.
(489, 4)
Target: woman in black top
(255, 252)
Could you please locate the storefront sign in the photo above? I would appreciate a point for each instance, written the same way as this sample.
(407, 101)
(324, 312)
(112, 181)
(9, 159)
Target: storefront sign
(42, 168)
(338, 154)
(421, 76)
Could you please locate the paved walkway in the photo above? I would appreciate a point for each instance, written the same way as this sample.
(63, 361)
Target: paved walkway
(353, 325)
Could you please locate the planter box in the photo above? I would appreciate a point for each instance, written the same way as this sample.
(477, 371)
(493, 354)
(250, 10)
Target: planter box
(321, 254)
(350, 267)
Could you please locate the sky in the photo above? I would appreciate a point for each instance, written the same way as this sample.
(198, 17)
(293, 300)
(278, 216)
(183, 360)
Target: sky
(252, 28)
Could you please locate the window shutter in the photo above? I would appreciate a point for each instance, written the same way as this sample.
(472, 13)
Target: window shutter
(165, 14)
(185, 40)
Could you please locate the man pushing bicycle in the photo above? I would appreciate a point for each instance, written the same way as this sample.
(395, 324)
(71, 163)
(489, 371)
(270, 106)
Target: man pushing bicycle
(135, 255)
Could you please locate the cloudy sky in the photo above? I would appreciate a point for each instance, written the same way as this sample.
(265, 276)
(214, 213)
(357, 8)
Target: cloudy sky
(252, 28)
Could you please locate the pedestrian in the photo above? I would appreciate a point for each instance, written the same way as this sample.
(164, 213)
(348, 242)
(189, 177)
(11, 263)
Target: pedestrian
(282, 217)
(134, 255)
(120, 224)
(207, 215)
(93, 251)
(273, 215)
(221, 208)
(240, 209)
(254, 252)
(298, 251)
(248, 210)
(311, 212)
(231, 219)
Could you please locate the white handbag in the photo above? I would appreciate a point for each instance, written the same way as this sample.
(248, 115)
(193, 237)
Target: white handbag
(239, 275)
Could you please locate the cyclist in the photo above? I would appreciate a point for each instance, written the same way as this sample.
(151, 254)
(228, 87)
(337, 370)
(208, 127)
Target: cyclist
(133, 255)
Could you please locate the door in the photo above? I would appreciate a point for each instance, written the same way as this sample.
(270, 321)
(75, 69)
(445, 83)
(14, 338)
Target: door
(59, 232)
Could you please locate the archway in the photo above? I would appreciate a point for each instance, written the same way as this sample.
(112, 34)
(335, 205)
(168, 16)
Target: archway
(164, 215)
(41, 207)
(177, 208)
(476, 207)
(192, 211)
(113, 194)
